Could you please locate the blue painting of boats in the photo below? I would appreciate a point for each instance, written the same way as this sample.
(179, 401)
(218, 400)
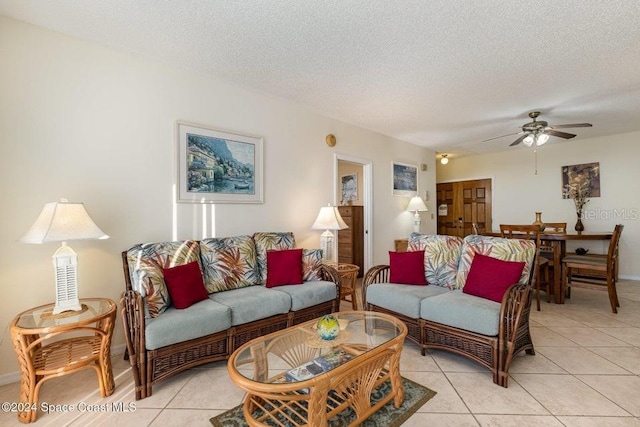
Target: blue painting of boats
(222, 166)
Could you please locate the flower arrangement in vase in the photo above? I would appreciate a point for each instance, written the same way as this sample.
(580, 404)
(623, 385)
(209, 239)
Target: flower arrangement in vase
(578, 192)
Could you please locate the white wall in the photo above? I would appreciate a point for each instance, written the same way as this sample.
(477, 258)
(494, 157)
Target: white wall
(91, 124)
(518, 192)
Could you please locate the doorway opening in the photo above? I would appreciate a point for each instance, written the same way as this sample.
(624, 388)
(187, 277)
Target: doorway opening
(353, 196)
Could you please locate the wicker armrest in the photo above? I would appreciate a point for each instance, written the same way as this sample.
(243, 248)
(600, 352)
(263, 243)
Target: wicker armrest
(133, 321)
(376, 274)
(330, 274)
(514, 314)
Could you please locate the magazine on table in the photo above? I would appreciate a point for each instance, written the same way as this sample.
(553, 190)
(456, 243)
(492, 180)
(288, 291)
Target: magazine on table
(319, 365)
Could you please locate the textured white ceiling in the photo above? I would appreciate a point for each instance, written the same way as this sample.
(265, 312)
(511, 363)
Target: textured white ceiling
(443, 74)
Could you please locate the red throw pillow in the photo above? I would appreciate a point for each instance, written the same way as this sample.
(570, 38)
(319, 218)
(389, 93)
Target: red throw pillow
(185, 284)
(490, 278)
(284, 267)
(407, 268)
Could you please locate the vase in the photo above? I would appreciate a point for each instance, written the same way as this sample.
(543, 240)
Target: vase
(539, 222)
(579, 226)
(328, 327)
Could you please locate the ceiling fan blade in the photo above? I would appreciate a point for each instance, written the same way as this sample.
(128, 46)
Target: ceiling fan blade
(518, 141)
(574, 125)
(501, 136)
(559, 134)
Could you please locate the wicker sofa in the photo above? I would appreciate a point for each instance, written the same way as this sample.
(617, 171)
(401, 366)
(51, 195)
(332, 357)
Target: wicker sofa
(442, 316)
(236, 307)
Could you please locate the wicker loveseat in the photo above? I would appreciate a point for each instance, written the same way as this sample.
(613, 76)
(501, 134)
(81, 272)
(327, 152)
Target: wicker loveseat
(235, 308)
(442, 316)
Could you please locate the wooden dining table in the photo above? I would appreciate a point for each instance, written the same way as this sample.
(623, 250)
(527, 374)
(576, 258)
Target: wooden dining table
(557, 242)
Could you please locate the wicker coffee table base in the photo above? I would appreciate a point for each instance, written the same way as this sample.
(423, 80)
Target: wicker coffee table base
(329, 396)
(374, 341)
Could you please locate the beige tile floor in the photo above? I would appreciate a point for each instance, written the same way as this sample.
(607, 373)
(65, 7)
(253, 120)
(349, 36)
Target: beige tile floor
(586, 372)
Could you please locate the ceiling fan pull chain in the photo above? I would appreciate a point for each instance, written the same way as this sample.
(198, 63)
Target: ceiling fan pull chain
(535, 161)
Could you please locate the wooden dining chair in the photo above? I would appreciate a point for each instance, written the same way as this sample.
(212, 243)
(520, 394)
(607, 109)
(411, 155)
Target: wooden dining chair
(547, 251)
(477, 228)
(555, 227)
(595, 264)
(532, 232)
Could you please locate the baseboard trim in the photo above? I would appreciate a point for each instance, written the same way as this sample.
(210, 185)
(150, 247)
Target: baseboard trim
(14, 377)
(10, 378)
(628, 277)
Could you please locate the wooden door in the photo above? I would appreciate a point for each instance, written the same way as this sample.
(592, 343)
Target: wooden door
(466, 202)
(447, 197)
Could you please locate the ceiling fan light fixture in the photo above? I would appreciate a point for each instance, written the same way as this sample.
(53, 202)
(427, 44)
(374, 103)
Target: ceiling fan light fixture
(528, 141)
(444, 160)
(541, 139)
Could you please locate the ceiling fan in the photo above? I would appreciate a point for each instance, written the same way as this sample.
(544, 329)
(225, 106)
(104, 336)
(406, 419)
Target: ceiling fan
(538, 132)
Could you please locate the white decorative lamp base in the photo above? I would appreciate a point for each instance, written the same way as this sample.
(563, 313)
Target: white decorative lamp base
(416, 222)
(65, 264)
(326, 244)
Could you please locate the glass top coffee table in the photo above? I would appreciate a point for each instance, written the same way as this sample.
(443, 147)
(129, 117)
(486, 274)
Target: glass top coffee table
(293, 377)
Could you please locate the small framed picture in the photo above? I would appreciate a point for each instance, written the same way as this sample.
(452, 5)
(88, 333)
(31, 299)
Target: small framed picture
(405, 179)
(349, 187)
(215, 166)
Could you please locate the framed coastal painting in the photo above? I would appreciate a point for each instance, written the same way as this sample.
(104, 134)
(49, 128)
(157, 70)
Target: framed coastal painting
(216, 166)
(404, 179)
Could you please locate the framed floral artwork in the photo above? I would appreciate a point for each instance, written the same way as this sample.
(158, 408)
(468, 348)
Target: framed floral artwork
(215, 166)
(582, 178)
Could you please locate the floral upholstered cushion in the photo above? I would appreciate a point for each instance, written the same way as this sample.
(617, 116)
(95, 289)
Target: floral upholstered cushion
(149, 281)
(229, 263)
(266, 241)
(441, 256)
(495, 247)
(146, 262)
(311, 263)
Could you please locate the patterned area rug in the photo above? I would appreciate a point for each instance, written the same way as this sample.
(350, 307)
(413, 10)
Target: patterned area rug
(388, 416)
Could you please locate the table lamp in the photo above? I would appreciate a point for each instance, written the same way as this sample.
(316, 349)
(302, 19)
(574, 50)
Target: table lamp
(60, 222)
(328, 219)
(416, 205)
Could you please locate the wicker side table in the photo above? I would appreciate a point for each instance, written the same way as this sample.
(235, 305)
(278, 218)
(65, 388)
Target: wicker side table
(49, 346)
(348, 274)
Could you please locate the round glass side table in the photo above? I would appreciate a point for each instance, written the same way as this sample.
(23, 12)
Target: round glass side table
(49, 346)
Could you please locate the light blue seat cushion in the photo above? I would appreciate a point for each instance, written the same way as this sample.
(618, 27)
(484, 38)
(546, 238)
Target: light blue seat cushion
(403, 299)
(309, 293)
(463, 311)
(174, 326)
(253, 303)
